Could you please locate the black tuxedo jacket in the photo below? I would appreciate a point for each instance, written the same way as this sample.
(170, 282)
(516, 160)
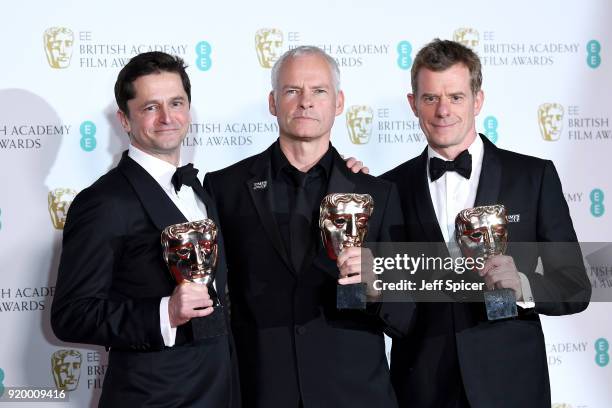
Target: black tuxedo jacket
(291, 340)
(452, 345)
(110, 283)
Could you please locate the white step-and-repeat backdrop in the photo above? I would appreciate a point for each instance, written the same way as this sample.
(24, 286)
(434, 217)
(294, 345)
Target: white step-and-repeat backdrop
(547, 84)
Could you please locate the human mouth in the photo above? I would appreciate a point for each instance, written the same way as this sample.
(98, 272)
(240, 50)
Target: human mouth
(302, 115)
(167, 130)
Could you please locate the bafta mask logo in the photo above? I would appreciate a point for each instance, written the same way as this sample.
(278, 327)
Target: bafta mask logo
(58, 43)
(482, 231)
(190, 251)
(467, 36)
(59, 202)
(268, 44)
(343, 221)
(359, 123)
(66, 368)
(550, 120)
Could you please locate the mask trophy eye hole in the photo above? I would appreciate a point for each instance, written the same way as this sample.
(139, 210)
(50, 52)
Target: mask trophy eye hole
(498, 230)
(183, 253)
(362, 221)
(476, 235)
(340, 222)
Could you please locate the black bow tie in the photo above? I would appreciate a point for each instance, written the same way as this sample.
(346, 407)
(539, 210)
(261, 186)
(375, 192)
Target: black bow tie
(185, 176)
(462, 165)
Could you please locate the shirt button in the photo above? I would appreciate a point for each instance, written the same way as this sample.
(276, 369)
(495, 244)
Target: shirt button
(300, 330)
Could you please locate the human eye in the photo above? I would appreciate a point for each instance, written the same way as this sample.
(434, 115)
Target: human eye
(150, 108)
(430, 99)
(456, 98)
(320, 91)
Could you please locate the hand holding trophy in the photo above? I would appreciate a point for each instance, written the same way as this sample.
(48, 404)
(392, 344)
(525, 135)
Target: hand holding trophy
(190, 251)
(483, 232)
(343, 221)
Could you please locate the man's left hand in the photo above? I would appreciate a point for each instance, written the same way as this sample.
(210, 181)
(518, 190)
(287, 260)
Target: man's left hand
(356, 166)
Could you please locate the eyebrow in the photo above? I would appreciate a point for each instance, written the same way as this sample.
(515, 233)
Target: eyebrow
(174, 98)
(300, 87)
(427, 94)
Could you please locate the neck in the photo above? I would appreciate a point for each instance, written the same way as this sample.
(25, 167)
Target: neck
(303, 155)
(172, 157)
(451, 152)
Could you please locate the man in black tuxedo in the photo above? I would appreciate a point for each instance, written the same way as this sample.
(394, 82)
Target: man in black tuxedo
(294, 347)
(454, 356)
(113, 287)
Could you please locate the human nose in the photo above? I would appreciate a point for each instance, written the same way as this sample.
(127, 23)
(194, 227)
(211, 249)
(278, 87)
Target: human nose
(164, 114)
(442, 109)
(306, 100)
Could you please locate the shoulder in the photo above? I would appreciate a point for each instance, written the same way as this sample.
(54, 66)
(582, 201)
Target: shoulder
(519, 160)
(371, 182)
(240, 168)
(107, 195)
(404, 171)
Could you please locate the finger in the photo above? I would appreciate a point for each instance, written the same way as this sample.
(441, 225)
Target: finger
(203, 312)
(365, 170)
(350, 280)
(349, 270)
(357, 166)
(491, 263)
(347, 253)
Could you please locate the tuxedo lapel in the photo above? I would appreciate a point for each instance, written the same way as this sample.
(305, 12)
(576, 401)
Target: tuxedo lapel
(423, 204)
(339, 179)
(260, 188)
(489, 183)
(339, 182)
(154, 199)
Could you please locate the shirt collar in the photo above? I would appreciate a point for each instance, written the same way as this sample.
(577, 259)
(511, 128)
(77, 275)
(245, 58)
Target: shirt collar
(280, 161)
(476, 149)
(160, 170)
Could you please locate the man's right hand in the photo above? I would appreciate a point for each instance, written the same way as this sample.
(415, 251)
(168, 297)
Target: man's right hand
(188, 300)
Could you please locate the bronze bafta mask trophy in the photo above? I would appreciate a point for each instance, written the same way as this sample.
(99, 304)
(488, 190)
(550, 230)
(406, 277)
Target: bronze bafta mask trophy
(482, 232)
(190, 251)
(343, 221)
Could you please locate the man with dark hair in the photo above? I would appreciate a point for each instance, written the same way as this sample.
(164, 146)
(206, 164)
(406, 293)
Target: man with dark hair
(295, 347)
(113, 287)
(454, 356)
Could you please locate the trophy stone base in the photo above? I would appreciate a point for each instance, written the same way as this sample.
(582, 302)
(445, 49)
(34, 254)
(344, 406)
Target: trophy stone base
(351, 296)
(500, 304)
(209, 326)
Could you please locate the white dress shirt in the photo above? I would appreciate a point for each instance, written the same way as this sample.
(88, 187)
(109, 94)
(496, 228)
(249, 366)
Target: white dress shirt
(188, 203)
(452, 193)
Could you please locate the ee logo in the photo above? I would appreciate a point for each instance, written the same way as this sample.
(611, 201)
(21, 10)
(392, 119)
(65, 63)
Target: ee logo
(593, 48)
(1, 382)
(490, 126)
(203, 61)
(404, 60)
(602, 358)
(597, 206)
(88, 135)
